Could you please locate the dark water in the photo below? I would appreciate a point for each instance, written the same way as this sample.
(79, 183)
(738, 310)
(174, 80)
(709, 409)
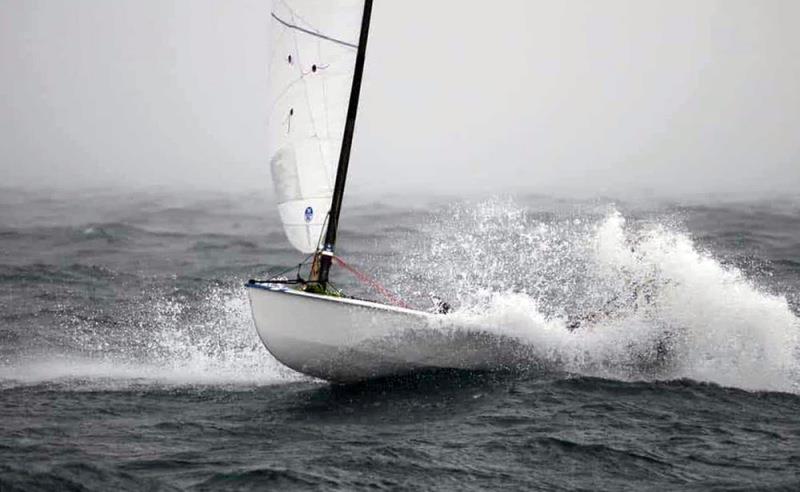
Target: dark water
(128, 358)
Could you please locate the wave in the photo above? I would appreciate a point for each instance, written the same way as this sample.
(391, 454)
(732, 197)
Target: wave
(649, 303)
(39, 272)
(118, 233)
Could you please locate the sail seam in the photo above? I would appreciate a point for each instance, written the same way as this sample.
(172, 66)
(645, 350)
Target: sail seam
(313, 33)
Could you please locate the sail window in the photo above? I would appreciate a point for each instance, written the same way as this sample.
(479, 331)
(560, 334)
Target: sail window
(313, 68)
(289, 59)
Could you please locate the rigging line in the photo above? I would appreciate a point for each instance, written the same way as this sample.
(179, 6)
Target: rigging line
(366, 279)
(273, 277)
(312, 33)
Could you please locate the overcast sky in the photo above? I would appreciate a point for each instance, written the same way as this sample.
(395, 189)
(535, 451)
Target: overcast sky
(677, 95)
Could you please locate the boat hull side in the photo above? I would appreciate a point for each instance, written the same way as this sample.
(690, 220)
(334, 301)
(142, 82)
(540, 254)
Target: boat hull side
(346, 340)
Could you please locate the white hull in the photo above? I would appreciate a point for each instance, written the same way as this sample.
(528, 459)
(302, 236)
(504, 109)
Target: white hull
(347, 340)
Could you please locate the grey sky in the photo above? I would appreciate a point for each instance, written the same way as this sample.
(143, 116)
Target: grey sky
(671, 95)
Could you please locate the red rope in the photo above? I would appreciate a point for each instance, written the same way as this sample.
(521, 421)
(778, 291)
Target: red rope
(371, 282)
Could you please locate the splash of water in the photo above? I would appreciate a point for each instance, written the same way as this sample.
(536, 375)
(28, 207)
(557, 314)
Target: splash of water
(168, 341)
(650, 303)
(214, 342)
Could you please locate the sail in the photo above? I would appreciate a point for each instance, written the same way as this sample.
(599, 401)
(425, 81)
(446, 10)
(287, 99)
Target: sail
(314, 48)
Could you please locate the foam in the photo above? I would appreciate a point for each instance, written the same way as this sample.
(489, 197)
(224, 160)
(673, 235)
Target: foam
(720, 326)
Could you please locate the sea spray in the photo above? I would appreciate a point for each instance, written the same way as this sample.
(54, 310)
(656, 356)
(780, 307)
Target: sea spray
(169, 339)
(213, 342)
(650, 304)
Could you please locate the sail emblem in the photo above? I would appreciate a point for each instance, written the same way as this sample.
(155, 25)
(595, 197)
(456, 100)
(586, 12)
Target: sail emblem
(309, 214)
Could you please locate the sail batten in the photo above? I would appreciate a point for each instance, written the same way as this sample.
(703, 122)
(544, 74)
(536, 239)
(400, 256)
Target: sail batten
(314, 51)
(313, 33)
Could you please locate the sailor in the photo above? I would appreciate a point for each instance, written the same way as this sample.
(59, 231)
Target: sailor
(439, 305)
(641, 294)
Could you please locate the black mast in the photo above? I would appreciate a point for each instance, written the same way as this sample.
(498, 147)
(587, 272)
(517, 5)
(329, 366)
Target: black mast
(344, 156)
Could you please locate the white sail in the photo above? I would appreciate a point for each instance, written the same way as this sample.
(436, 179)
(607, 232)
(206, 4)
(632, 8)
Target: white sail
(314, 48)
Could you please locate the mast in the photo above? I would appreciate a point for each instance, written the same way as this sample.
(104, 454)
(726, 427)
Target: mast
(323, 259)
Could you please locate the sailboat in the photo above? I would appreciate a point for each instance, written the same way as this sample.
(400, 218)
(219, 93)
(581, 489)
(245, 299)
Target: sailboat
(319, 49)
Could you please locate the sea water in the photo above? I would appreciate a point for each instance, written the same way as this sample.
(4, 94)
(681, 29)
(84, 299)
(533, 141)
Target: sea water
(652, 345)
